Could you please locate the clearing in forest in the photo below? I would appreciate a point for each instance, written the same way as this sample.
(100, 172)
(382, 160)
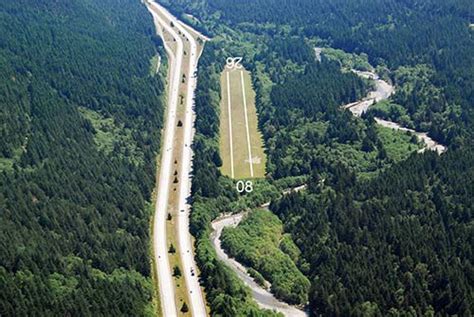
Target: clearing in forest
(241, 144)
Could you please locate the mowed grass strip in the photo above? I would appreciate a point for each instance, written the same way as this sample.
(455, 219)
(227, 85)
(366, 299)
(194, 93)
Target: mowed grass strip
(234, 146)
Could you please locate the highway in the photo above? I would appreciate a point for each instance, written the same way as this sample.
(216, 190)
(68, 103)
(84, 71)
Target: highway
(187, 256)
(184, 156)
(160, 248)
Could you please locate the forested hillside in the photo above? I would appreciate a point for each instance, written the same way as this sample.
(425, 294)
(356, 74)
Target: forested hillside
(385, 232)
(398, 244)
(308, 124)
(79, 120)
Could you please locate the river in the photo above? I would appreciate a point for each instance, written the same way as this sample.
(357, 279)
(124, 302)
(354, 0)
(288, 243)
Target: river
(383, 90)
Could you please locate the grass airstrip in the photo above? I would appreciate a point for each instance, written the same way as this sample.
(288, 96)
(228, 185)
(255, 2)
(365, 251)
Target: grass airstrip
(241, 144)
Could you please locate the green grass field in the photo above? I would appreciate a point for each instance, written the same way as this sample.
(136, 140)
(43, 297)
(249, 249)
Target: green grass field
(241, 144)
(398, 144)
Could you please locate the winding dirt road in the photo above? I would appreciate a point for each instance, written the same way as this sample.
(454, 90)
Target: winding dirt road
(383, 90)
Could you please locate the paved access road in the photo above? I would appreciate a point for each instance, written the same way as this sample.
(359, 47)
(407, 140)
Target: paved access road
(164, 20)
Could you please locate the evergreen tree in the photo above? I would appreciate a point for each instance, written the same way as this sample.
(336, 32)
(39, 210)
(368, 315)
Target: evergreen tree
(184, 308)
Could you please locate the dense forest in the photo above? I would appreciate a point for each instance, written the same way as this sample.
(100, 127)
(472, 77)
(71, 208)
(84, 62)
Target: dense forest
(392, 33)
(400, 243)
(80, 118)
(384, 231)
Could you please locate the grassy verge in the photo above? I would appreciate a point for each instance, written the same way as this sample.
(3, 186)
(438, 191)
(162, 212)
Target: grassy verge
(156, 303)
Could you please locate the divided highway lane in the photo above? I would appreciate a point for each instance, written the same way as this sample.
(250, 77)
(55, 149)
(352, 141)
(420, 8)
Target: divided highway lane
(195, 296)
(165, 279)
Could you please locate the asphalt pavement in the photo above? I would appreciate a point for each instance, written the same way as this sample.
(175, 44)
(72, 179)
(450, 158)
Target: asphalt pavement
(189, 268)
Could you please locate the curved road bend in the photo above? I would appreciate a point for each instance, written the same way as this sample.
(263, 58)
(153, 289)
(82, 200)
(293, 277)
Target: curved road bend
(195, 296)
(165, 279)
(264, 298)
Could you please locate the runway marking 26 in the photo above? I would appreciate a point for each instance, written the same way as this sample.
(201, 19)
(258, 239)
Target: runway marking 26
(233, 62)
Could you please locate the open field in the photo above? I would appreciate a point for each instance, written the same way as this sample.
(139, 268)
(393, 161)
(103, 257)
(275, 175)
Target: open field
(241, 144)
